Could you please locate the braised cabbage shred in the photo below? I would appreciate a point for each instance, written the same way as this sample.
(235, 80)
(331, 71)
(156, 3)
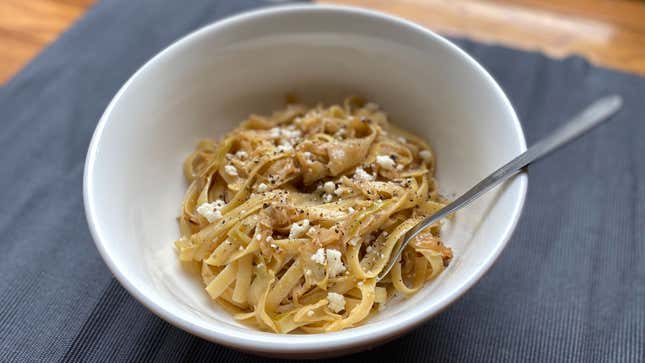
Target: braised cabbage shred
(291, 217)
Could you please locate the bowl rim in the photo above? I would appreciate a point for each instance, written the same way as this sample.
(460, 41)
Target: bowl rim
(271, 343)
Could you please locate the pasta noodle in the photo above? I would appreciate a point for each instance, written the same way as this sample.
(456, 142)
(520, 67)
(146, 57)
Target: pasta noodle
(292, 217)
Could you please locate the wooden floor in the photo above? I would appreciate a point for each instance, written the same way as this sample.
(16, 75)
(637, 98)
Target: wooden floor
(608, 32)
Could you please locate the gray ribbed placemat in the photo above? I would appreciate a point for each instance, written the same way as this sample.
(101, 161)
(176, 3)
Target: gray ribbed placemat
(570, 285)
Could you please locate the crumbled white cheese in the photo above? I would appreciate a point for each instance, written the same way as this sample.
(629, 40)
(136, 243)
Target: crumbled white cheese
(307, 272)
(361, 174)
(385, 162)
(385, 233)
(336, 302)
(331, 258)
(274, 132)
(329, 187)
(399, 167)
(369, 249)
(291, 134)
(307, 155)
(334, 263)
(310, 313)
(274, 246)
(319, 256)
(241, 248)
(351, 210)
(241, 154)
(269, 239)
(354, 241)
(262, 187)
(360, 284)
(258, 236)
(328, 198)
(230, 170)
(402, 140)
(211, 211)
(298, 229)
(311, 230)
(337, 153)
(340, 191)
(287, 133)
(285, 147)
(426, 155)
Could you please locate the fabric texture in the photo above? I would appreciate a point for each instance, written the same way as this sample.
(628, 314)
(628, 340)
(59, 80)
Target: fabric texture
(570, 286)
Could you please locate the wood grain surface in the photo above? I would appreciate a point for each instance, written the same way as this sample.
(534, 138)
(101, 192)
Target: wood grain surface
(610, 33)
(27, 26)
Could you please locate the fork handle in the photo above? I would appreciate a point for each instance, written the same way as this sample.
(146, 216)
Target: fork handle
(592, 116)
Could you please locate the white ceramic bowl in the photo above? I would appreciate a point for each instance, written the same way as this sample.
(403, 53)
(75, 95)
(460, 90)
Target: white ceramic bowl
(210, 80)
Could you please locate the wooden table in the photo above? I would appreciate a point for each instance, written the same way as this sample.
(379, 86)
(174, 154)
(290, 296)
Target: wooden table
(608, 32)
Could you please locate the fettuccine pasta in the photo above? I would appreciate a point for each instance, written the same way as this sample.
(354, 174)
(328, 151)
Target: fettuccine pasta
(291, 217)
